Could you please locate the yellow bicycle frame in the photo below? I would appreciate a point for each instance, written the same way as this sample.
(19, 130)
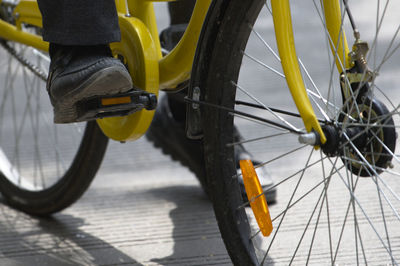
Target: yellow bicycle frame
(137, 18)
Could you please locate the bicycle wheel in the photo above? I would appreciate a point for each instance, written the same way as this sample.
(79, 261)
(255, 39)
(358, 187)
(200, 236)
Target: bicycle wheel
(44, 167)
(336, 205)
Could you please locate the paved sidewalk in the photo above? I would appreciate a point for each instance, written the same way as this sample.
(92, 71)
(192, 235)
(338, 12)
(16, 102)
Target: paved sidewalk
(131, 215)
(144, 209)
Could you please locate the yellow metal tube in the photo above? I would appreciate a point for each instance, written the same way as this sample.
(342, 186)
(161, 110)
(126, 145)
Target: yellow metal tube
(27, 11)
(121, 6)
(10, 32)
(338, 43)
(291, 68)
(144, 10)
(177, 65)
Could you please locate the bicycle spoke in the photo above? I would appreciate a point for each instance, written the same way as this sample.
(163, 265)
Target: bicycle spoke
(331, 61)
(256, 139)
(284, 213)
(268, 8)
(371, 171)
(273, 70)
(266, 44)
(19, 126)
(261, 122)
(316, 226)
(345, 221)
(280, 156)
(276, 110)
(290, 206)
(327, 204)
(301, 198)
(327, 103)
(314, 233)
(283, 181)
(274, 159)
(301, 64)
(357, 235)
(36, 136)
(364, 213)
(353, 97)
(381, 206)
(388, 100)
(358, 110)
(325, 115)
(7, 84)
(378, 29)
(16, 142)
(350, 181)
(267, 108)
(22, 113)
(391, 53)
(323, 192)
(321, 18)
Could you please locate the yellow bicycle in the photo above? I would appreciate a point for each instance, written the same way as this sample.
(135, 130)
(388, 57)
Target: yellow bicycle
(330, 143)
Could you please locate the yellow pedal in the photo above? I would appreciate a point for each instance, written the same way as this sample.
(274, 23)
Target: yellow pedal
(116, 100)
(256, 197)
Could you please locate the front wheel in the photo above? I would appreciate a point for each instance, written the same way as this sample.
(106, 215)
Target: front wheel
(336, 205)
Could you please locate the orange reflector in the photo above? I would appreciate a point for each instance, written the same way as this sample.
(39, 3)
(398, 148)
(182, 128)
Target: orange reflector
(117, 100)
(256, 197)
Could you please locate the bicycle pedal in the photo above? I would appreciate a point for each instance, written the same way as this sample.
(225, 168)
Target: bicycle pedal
(116, 105)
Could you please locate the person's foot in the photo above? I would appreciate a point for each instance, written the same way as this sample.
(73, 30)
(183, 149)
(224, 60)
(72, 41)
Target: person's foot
(81, 72)
(168, 134)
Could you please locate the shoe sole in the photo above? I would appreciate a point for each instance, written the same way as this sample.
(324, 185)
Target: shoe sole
(106, 82)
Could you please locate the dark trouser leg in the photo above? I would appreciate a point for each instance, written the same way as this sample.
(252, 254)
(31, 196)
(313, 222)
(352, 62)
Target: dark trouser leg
(82, 65)
(77, 22)
(180, 13)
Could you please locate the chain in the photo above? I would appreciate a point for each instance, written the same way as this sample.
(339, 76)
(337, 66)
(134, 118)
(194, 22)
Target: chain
(25, 62)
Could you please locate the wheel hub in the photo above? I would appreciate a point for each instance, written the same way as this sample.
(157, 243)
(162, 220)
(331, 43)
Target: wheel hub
(364, 138)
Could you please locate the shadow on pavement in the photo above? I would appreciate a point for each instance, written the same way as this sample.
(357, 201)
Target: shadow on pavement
(179, 217)
(195, 231)
(57, 240)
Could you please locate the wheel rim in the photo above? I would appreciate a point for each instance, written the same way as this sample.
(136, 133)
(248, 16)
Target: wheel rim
(35, 153)
(326, 210)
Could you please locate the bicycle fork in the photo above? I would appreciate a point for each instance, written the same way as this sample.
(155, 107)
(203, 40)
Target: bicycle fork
(286, 47)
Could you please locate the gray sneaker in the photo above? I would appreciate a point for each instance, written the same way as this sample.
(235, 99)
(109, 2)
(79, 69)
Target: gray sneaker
(82, 72)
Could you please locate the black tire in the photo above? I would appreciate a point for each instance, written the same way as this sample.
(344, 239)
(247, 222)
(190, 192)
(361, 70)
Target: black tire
(44, 167)
(212, 71)
(217, 71)
(69, 187)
